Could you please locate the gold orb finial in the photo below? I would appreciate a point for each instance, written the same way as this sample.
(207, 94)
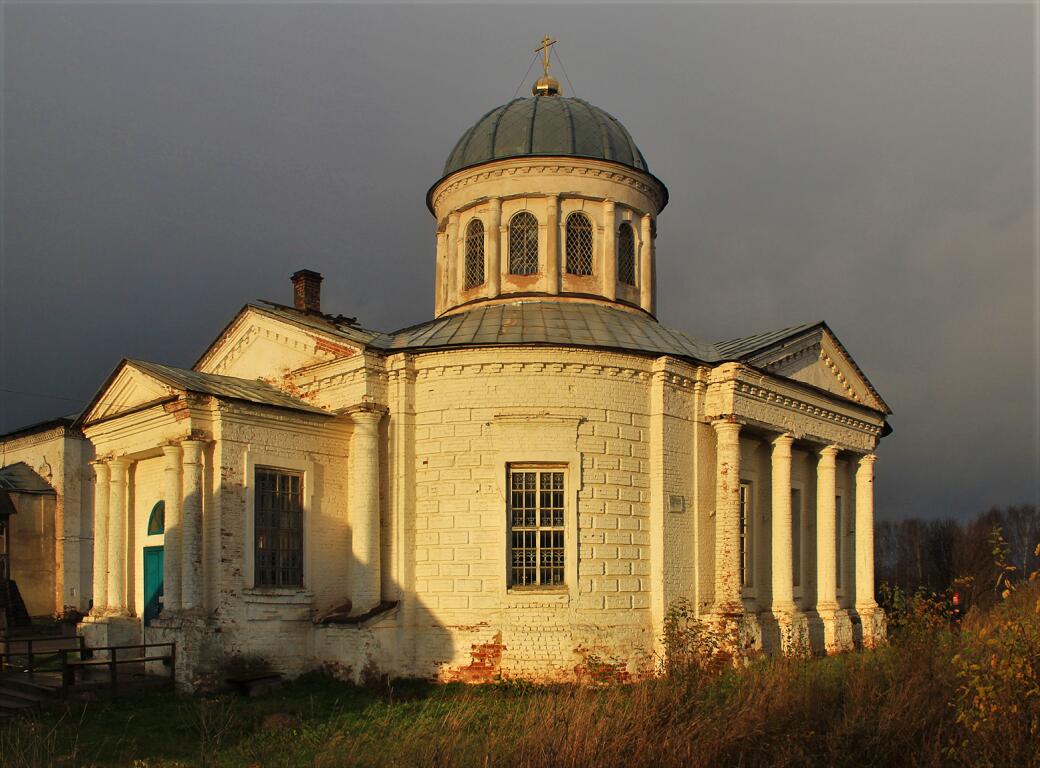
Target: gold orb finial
(546, 85)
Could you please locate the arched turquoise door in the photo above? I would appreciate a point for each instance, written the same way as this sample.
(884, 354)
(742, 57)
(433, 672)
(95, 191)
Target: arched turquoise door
(153, 583)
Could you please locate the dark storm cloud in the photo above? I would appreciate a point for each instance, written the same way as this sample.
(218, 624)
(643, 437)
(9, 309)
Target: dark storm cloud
(871, 166)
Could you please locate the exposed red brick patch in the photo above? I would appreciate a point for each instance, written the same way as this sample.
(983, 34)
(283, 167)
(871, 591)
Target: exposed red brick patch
(179, 409)
(597, 670)
(485, 666)
(338, 350)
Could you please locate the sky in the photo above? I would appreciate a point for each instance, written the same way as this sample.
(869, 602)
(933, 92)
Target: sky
(870, 165)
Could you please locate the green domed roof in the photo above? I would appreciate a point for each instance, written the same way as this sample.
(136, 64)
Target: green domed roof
(545, 125)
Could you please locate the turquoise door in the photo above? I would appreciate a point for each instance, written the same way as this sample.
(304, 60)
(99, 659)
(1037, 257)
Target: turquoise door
(153, 583)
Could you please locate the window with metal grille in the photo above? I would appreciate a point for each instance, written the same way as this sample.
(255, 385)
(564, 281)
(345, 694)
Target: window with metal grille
(747, 554)
(536, 526)
(579, 244)
(626, 254)
(475, 253)
(278, 528)
(523, 244)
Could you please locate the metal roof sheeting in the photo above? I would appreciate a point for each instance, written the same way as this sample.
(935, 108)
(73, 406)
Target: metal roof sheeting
(21, 478)
(223, 386)
(582, 324)
(545, 125)
(532, 321)
(737, 349)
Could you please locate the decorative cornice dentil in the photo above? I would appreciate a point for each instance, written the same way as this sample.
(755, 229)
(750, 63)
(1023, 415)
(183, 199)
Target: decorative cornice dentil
(767, 395)
(484, 173)
(564, 369)
(28, 441)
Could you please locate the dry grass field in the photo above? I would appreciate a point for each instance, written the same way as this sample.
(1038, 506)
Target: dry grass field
(935, 696)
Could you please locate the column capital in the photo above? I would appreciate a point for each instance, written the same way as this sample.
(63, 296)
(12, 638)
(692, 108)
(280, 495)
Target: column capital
(829, 452)
(867, 459)
(496, 203)
(192, 450)
(726, 425)
(783, 440)
(120, 463)
(100, 462)
(366, 413)
(171, 449)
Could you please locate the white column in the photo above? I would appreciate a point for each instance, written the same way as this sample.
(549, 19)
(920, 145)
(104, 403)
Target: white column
(782, 536)
(171, 540)
(865, 534)
(727, 518)
(826, 537)
(609, 250)
(363, 500)
(552, 244)
(117, 549)
(191, 526)
(646, 264)
(101, 491)
(494, 249)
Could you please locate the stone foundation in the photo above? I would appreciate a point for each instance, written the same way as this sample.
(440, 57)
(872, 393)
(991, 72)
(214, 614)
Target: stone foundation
(199, 648)
(100, 631)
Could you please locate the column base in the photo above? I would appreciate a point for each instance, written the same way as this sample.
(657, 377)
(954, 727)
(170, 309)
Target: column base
(830, 630)
(786, 631)
(110, 629)
(740, 633)
(870, 627)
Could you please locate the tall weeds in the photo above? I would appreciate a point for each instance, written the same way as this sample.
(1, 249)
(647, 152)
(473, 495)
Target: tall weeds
(937, 695)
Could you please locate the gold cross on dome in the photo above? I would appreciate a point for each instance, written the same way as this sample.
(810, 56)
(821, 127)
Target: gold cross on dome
(544, 50)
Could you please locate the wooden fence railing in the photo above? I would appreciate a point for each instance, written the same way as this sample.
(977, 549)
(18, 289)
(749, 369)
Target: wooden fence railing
(28, 654)
(69, 667)
(70, 661)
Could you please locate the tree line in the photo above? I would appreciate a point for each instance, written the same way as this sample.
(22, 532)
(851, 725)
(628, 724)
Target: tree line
(969, 558)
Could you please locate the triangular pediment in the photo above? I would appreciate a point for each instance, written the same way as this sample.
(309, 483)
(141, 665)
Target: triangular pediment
(127, 390)
(817, 358)
(258, 346)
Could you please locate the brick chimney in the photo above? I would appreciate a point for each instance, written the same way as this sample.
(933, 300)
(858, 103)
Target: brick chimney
(307, 290)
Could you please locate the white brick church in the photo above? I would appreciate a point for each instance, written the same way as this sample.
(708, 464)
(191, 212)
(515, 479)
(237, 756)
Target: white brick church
(526, 481)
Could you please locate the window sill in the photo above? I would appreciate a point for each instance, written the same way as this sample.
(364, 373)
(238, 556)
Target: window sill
(537, 596)
(278, 596)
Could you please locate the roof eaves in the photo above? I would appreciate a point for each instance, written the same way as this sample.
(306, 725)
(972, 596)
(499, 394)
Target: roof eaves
(39, 426)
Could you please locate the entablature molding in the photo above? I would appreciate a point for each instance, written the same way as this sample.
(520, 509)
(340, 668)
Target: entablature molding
(331, 380)
(677, 373)
(779, 406)
(37, 438)
(239, 413)
(142, 431)
(565, 369)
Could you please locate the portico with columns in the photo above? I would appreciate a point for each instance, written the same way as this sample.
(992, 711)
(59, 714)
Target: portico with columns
(807, 503)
